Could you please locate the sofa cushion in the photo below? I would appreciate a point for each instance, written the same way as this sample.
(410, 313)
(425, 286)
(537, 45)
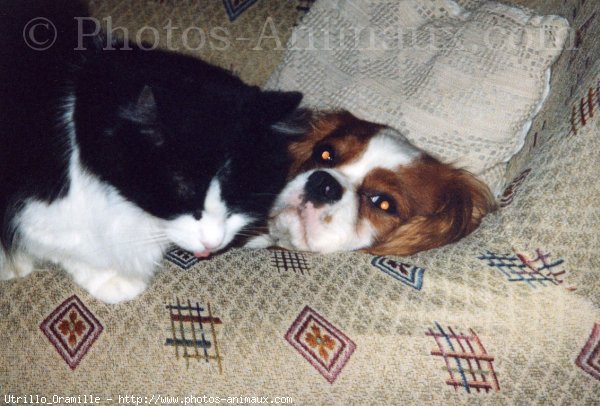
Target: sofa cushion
(462, 85)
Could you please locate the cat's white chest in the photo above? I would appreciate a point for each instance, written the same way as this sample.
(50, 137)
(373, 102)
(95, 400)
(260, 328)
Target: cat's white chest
(92, 225)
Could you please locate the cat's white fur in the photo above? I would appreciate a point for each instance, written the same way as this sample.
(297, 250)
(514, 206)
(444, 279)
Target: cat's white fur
(109, 245)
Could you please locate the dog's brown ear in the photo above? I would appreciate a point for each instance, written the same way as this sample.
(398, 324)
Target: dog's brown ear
(463, 201)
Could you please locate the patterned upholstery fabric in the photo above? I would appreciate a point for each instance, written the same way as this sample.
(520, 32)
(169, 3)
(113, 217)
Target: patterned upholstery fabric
(509, 315)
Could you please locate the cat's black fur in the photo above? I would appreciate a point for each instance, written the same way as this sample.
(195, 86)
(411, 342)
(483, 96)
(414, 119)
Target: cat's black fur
(155, 125)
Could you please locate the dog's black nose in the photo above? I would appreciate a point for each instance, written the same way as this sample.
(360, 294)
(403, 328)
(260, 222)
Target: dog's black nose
(322, 188)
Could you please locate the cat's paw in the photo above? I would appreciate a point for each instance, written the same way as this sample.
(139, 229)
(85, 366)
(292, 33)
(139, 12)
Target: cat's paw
(107, 285)
(6, 273)
(259, 242)
(19, 265)
(117, 288)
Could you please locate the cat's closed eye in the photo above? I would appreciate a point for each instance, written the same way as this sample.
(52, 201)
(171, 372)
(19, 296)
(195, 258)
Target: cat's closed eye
(153, 135)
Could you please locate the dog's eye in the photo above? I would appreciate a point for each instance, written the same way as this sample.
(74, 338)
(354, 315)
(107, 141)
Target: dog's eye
(324, 154)
(383, 202)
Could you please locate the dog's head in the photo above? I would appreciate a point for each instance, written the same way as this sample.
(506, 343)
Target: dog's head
(358, 185)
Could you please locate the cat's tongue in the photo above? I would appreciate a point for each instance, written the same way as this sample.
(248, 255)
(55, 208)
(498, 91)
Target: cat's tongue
(202, 254)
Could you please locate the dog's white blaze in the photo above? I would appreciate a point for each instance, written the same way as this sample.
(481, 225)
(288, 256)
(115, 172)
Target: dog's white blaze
(386, 150)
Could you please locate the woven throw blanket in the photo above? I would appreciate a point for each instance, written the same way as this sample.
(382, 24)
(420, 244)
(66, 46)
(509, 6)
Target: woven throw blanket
(462, 85)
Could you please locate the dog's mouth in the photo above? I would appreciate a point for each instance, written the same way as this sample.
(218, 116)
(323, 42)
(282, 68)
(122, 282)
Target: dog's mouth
(298, 224)
(291, 224)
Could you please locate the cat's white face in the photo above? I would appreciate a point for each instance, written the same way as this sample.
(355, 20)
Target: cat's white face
(213, 231)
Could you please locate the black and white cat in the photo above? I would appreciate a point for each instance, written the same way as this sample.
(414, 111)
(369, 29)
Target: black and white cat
(108, 156)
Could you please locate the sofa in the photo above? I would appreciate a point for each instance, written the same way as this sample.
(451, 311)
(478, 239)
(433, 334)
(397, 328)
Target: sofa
(510, 315)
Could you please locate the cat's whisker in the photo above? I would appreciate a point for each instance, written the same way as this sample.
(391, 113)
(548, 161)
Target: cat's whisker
(138, 243)
(131, 244)
(253, 230)
(247, 235)
(250, 235)
(157, 264)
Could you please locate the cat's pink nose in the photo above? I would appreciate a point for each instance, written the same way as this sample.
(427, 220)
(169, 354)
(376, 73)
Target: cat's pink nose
(202, 254)
(208, 249)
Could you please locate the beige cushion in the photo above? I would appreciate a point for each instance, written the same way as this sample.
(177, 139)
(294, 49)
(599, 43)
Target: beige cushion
(463, 85)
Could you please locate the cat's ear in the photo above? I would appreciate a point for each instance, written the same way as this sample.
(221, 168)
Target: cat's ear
(144, 112)
(145, 107)
(141, 108)
(273, 106)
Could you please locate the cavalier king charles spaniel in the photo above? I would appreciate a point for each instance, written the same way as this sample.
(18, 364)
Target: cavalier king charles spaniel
(356, 185)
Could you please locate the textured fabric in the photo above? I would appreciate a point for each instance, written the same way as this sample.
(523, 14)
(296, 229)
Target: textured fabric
(388, 321)
(203, 28)
(510, 315)
(444, 76)
(577, 66)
